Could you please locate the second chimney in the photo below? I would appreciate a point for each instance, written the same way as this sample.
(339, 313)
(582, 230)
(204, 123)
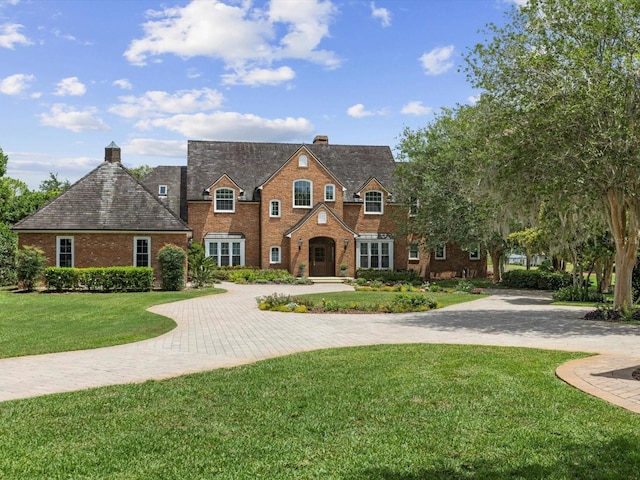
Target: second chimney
(321, 139)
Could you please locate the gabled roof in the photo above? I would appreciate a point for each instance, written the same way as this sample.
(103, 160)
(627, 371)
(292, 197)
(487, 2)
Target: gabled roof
(107, 198)
(252, 163)
(175, 179)
(312, 212)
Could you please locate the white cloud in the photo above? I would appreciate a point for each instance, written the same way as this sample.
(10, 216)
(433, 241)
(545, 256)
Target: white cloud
(438, 60)
(156, 148)
(244, 37)
(259, 76)
(123, 83)
(15, 84)
(381, 14)
(473, 99)
(236, 126)
(358, 111)
(9, 36)
(416, 108)
(65, 116)
(70, 86)
(158, 103)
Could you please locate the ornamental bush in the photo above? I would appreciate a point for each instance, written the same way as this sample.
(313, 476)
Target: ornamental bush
(30, 263)
(109, 279)
(8, 247)
(62, 278)
(536, 280)
(171, 260)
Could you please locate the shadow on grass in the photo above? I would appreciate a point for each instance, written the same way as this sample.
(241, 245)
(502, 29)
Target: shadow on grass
(616, 460)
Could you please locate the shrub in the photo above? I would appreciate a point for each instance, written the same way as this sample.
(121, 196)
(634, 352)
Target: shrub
(271, 302)
(389, 277)
(109, 279)
(404, 302)
(30, 266)
(8, 247)
(201, 267)
(576, 294)
(464, 286)
(171, 260)
(536, 279)
(62, 278)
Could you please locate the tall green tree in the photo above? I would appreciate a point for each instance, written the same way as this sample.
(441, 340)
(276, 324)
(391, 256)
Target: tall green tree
(561, 83)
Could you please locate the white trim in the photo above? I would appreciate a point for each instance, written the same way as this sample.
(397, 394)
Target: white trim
(135, 251)
(322, 217)
(303, 161)
(333, 189)
(162, 190)
(228, 240)
(416, 251)
(381, 202)
(275, 249)
(279, 208)
(443, 254)
(366, 251)
(233, 200)
(73, 249)
(293, 189)
(477, 256)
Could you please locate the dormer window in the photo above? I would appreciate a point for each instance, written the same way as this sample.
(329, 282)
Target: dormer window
(224, 200)
(303, 161)
(373, 202)
(162, 190)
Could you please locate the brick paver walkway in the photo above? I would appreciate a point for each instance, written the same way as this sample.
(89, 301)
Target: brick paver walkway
(228, 329)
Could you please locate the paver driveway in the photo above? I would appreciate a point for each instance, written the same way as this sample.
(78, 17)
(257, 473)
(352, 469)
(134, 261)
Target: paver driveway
(228, 329)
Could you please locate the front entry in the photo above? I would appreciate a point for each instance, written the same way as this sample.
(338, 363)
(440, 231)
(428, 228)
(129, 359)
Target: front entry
(322, 254)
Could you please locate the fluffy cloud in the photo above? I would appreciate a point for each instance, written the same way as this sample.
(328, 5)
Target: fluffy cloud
(15, 84)
(123, 83)
(158, 103)
(245, 38)
(70, 86)
(438, 60)
(259, 76)
(381, 14)
(416, 108)
(358, 111)
(9, 36)
(65, 116)
(156, 148)
(235, 126)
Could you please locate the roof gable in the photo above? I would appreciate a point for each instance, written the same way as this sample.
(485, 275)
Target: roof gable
(319, 206)
(107, 198)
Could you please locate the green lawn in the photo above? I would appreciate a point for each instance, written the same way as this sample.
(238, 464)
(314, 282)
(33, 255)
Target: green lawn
(34, 323)
(444, 299)
(401, 412)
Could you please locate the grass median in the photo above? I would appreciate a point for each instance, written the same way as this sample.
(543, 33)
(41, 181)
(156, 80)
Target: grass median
(35, 323)
(402, 412)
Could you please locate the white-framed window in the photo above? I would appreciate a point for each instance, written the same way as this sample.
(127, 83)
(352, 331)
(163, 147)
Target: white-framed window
(142, 251)
(225, 200)
(414, 251)
(302, 194)
(162, 190)
(474, 252)
(413, 208)
(329, 193)
(226, 249)
(322, 217)
(64, 252)
(373, 202)
(274, 208)
(376, 254)
(440, 252)
(303, 161)
(275, 255)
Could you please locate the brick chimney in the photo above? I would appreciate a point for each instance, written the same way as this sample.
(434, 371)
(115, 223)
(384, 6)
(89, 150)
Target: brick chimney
(323, 139)
(112, 153)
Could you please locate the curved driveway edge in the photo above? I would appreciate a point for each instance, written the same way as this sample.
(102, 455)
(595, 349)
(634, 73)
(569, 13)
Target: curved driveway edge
(228, 329)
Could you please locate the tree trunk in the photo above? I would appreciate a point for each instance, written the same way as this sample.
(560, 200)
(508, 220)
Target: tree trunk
(496, 260)
(623, 216)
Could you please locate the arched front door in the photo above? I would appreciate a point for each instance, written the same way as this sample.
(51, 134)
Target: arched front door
(322, 257)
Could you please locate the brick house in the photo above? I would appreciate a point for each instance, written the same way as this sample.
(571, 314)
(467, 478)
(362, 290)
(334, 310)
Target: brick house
(278, 205)
(105, 219)
(268, 205)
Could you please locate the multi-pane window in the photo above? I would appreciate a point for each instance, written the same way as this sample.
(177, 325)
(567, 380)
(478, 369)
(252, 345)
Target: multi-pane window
(373, 202)
(302, 194)
(64, 252)
(474, 252)
(440, 252)
(329, 193)
(414, 251)
(162, 190)
(226, 253)
(274, 255)
(375, 254)
(141, 252)
(274, 208)
(225, 200)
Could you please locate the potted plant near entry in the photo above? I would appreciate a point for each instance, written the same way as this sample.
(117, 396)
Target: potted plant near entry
(301, 268)
(343, 269)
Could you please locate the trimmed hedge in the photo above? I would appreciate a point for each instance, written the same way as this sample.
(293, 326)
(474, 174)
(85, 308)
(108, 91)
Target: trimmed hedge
(109, 279)
(536, 280)
(389, 277)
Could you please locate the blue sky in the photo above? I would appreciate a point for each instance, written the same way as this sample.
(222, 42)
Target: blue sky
(150, 75)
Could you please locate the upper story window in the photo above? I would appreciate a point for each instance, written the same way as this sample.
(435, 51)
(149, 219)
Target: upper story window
(224, 200)
(373, 202)
(162, 190)
(329, 193)
(441, 252)
(413, 208)
(302, 194)
(474, 252)
(274, 208)
(303, 161)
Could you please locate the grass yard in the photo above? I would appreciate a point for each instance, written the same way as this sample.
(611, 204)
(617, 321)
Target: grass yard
(34, 323)
(373, 297)
(398, 412)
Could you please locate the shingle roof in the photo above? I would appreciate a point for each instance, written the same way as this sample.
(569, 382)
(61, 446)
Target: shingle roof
(175, 179)
(250, 163)
(107, 198)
